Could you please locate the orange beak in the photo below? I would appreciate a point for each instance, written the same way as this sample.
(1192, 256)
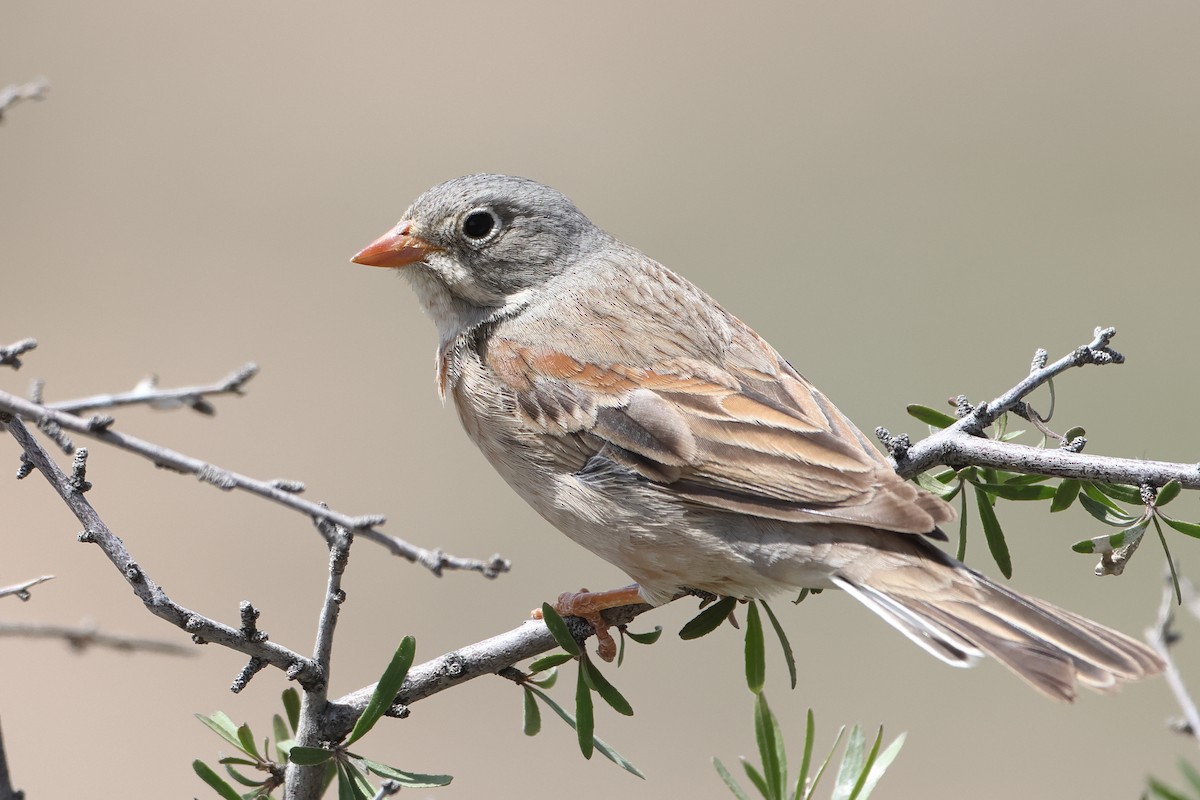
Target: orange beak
(396, 248)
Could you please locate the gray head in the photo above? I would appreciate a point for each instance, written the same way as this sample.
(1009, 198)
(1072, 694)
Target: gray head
(485, 239)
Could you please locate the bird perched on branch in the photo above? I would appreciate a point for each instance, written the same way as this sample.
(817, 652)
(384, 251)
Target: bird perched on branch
(660, 432)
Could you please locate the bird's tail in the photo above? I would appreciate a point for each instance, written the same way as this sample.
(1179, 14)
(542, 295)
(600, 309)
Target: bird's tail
(959, 616)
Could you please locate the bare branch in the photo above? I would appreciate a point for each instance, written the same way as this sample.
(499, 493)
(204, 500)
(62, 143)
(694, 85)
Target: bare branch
(84, 636)
(150, 593)
(21, 590)
(962, 443)
(1161, 637)
(15, 93)
(148, 393)
(9, 356)
(53, 423)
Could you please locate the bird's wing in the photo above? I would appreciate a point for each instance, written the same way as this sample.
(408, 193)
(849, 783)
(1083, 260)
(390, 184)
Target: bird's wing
(751, 436)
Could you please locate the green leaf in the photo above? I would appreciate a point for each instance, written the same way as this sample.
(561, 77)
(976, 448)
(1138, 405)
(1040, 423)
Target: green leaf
(934, 486)
(242, 779)
(386, 690)
(812, 788)
(881, 765)
(1011, 491)
(223, 726)
(234, 760)
(560, 631)
(737, 790)
(788, 657)
(548, 679)
(280, 729)
(552, 660)
(1170, 561)
(1093, 491)
(1065, 494)
(598, 683)
(247, 741)
(757, 779)
(605, 749)
(533, 715)
(930, 417)
(1106, 544)
(1161, 790)
(355, 781)
(1189, 528)
(214, 781)
(1189, 772)
(585, 720)
(961, 555)
(291, 705)
(852, 764)
(806, 760)
(770, 748)
(1125, 494)
(1167, 493)
(709, 619)
(993, 533)
(1021, 479)
(649, 637)
(865, 770)
(756, 652)
(414, 780)
(307, 756)
(1102, 512)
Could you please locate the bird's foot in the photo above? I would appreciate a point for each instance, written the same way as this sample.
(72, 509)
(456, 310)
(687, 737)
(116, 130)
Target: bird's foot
(588, 605)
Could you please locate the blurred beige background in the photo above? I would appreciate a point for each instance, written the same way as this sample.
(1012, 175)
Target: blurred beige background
(906, 199)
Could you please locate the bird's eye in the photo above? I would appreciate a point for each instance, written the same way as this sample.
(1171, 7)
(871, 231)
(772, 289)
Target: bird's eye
(479, 224)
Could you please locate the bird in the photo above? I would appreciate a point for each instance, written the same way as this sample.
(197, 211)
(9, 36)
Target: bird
(657, 430)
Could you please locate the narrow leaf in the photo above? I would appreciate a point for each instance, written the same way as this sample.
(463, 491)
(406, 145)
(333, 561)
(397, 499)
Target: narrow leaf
(414, 780)
(291, 705)
(605, 749)
(242, 779)
(812, 788)
(280, 729)
(533, 715)
(246, 737)
(1102, 512)
(865, 770)
(1189, 772)
(1164, 792)
(757, 779)
(708, 620)
(934, 486)
(361, 786)
(770, 748)
(552, 660)
(930, 417)
(788, 657)
(223, 726)
(737, 790)
(756, 656)
(1093, 491)
(1125, 494)
(597, 682)
(880, 766)
(1106, 544)
(1011, 491)
(1189, 528)
(1021, 479)
(547, 679)
(560, 631)
(1065, 494)
(585, 720)
(961, 555)
(1170, 561)
(993, 533)
(386, 690)
(1168, 493)
(214, 781)
(806, 760)
(307, 756)
(852, 763)
(649, 637)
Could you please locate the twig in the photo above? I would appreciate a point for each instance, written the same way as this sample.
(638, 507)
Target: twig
(15, 93)
(21, 590)
(962, 443)
(1161, 637)
(150, 593)
(10, 355)
(482, 658)
(306, 781)
(82, 637)
(148, 393)
(281, 492)
(7, 792)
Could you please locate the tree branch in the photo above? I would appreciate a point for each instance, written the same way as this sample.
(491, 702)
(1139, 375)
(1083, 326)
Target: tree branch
(148, 393)
(53, 423)
(14, 93)
(82, 637)
(21, 590)
(9, 355)
(963, 444)
(1162, 637)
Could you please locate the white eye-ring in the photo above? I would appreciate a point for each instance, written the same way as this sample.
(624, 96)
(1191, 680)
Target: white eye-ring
(480, 224)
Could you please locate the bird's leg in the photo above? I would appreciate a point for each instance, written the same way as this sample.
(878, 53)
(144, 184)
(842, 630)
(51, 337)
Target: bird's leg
(588, 605)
